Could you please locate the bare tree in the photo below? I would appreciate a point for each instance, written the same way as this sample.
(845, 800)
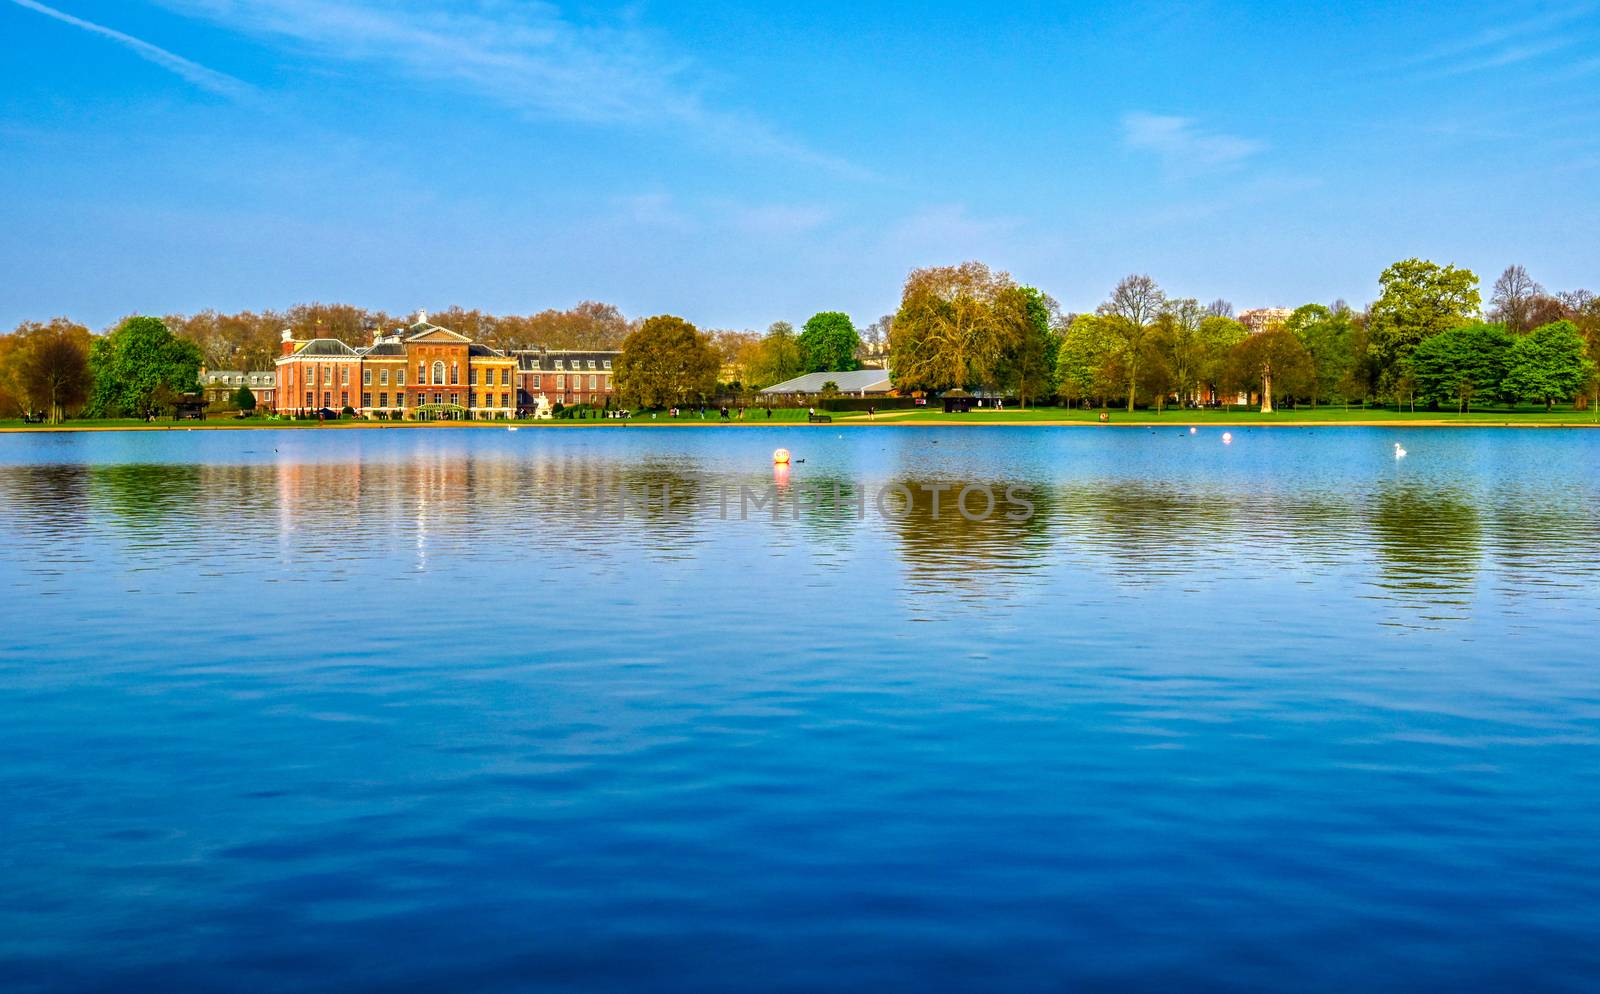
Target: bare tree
(1220, 308)
(1512, 300)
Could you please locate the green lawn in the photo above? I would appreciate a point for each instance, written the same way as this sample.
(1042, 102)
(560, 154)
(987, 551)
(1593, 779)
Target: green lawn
(1247, 416)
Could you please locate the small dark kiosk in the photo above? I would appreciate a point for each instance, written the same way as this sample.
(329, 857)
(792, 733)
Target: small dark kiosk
(189, 407)
(957, 401)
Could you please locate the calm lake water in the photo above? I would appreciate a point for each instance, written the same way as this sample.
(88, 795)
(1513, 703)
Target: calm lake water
(446, 710)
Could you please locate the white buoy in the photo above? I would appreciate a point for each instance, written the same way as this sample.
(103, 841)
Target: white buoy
(1227, 438)
(1193, 430)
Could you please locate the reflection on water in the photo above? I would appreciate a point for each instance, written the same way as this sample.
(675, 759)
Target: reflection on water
(1428, 544)
(1414, 546)
(625, 710)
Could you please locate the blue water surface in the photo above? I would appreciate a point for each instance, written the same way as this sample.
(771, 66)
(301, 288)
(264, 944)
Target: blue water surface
(477, 710)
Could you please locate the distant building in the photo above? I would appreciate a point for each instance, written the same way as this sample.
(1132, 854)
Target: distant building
(1264, 318)
(424, 371)
(855, 383)
(564, 376)
(219, 386)
(874, 355)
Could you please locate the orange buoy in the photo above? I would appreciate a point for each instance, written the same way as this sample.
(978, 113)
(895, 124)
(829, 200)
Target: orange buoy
(781, 457)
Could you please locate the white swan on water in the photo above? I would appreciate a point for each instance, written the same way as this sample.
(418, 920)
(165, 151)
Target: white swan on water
(1399, 453)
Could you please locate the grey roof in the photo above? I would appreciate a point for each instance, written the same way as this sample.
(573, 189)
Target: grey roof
(236, 377)
(483, 350)
(385, 349)
(544, 360)
(854, 381)
(327, 347)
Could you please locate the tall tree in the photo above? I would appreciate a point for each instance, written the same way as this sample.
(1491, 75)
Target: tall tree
(1027, 364)
(1325, 335)
(828, 343)
(1087, 365)
(46, 367)
(1273, 362)
(140, 367)
(1418, 299)
(666, 361)
(1134, 305)
(1512, 300)
(1182, 349)
(1461, 363)
(777, 356)
(1549, 363)
(1216, 339)
(948, 331)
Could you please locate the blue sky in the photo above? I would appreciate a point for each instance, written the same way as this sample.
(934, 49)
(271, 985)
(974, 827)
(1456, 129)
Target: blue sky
(738, 163)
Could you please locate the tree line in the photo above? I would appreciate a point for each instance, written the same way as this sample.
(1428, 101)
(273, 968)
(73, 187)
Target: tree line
(1427, 337)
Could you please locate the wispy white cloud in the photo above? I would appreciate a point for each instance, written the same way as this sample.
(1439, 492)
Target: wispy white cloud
(526, 56)
(1183, 145)
(201, 76)
(1504, 44)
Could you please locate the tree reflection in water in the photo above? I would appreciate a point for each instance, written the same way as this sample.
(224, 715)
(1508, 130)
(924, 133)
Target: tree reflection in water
(1429, 543)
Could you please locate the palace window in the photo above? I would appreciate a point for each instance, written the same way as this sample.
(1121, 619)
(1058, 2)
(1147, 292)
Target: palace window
(327, 398)
(400, 377)
(561, 383)
(560, 364)
(311, 399)
(505, 400)
(455, 400)
(591, 363)
(366, 376)
(608, 363)
(366, 400)
(344, 376)
(399, 400)
(472, 377)
(535, 383)
(422, 374)
(438, 374)
(438, 398)
(592, 380)
(383, 400)
(455, 374)
(344, 398)
(383, 377)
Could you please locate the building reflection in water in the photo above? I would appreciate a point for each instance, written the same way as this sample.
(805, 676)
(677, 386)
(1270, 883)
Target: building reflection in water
(1417, 550)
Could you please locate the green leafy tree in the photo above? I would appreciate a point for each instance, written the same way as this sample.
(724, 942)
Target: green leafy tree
(828, 343)
(1326, 336)
(1216, 339)
(141, 367)
(1027, 364)
(1177, 339)
(666, 361)
(1418, 299)
(777, 356)
(1133, 307)
(1087, 364)
(1273, 362)
(1461, 363)
(243, 399)
(1549, 363)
